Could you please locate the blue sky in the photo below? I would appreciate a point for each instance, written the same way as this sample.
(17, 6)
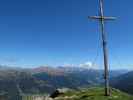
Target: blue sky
(57, 32)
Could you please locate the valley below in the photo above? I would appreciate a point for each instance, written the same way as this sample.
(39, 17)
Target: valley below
(43, 81)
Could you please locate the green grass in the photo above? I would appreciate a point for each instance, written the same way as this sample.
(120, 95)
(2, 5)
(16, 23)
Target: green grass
(95, 93)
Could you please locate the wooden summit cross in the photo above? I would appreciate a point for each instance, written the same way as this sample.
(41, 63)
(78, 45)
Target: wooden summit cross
(102, 20)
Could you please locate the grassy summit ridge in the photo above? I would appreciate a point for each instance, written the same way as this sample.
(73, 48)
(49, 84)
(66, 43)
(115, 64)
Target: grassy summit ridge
(94, 94)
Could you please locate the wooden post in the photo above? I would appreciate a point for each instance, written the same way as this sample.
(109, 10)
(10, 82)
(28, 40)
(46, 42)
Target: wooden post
(102, 20)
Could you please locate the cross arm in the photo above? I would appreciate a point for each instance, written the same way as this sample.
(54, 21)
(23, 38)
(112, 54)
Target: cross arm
(102, 17)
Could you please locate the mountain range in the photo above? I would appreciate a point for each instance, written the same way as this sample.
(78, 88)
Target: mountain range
(123, 82)
(45, 79)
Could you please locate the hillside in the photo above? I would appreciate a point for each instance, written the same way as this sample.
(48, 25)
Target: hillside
(13, 83)
(74, 79)
(124, 82)
(93, 94)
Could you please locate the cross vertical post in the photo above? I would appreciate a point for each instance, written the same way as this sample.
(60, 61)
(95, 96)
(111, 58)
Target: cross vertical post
(102, 20)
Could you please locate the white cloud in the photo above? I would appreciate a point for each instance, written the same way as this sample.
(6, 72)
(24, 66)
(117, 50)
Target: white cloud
(88, 65)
